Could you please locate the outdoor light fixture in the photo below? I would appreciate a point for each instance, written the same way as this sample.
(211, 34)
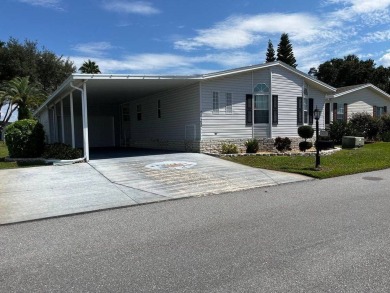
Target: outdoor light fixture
(317, 117)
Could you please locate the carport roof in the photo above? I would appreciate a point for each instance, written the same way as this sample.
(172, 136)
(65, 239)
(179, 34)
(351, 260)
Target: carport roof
(113, 85)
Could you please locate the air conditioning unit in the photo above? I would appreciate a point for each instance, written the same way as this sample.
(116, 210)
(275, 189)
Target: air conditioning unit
(352, 142)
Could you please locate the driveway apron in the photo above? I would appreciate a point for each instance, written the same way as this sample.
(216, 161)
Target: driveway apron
(44, 192)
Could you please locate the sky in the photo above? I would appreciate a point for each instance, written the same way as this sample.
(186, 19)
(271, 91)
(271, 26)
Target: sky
(183, 37)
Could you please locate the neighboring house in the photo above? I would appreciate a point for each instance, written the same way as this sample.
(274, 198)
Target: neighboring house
(194, 113)
(356, 99)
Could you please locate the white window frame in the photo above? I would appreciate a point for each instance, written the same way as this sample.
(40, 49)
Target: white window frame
(380, 111)
(257, 107)
(340, 112)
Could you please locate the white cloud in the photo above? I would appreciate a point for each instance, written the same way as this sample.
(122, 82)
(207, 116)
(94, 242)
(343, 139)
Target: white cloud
(55, 4)
(371, 11)
(379, 36)
(93, 48)
(385, 59)
(134, 7)
(240, 31)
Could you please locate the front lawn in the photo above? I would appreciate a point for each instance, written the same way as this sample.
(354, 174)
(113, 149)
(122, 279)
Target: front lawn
(3, 154)
(371, 157)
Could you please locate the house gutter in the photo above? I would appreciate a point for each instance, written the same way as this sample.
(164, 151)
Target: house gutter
(84, 116)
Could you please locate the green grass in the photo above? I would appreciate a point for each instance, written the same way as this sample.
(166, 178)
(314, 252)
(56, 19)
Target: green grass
(10, 165)
(371, 157)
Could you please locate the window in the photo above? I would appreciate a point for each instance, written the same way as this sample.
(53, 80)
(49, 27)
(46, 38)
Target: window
(261, 88)
(305, 110)
(340, 112)
(229, 103)
(159, 109)
(139, 112)
(125, 113)
(215, 103)
(380, 111)
(261, 109)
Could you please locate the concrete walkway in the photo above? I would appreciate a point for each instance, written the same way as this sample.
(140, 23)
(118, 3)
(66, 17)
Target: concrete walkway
(43, 192)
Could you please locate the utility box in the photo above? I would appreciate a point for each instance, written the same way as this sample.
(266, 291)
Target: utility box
(351, 142)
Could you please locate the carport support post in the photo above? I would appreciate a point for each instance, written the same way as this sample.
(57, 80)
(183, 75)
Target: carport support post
(62, 122)
(72, 119)
(85, 121)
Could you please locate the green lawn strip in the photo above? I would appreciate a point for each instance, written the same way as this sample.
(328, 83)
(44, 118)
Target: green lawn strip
(369, 158)
(10, 165)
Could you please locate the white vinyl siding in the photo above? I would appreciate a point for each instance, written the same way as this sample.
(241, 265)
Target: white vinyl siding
(231, 125)
(361, 101)
(180, 109)
(288, 87)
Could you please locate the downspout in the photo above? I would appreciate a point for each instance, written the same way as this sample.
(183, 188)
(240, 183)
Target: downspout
(85, 119)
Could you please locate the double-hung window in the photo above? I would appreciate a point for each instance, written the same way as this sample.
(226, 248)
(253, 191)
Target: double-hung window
(261, 109)
(340, 112)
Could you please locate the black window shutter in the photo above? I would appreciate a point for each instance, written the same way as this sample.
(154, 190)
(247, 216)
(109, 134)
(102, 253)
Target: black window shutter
(374, 111)
(334, 111)
(248, 109)
(385, 109)
(345, 112)
(327, 113)
(275, 111)
(311, 110)
(299, 111)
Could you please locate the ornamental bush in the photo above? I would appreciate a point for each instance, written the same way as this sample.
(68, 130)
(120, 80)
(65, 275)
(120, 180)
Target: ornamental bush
(363, 124)
(229, 148)
(305, 131)
(252, 146)
(282, 144)
(25, 139)
(337, 129)
(61, 151)
(305, 145)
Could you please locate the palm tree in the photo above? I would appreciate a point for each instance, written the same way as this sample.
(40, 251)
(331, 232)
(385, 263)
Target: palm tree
(90, 67)
(19, 93)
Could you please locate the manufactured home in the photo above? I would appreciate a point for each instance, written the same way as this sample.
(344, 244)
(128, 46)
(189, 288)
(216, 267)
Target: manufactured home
(362, 98)
(189, 113)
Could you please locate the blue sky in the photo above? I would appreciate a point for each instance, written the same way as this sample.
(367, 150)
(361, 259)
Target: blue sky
(189, 37)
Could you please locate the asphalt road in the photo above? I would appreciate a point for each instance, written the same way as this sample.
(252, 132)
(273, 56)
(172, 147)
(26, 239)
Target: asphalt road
(316, 236)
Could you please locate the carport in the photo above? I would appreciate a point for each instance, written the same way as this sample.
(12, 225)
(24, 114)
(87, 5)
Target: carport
(92, 110)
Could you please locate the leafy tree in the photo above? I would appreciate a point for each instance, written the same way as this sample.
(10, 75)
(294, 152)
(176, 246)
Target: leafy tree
(270, 56)
(350, 70)
(285, 51)
(42, 66)
(89, 67)
(20, 94)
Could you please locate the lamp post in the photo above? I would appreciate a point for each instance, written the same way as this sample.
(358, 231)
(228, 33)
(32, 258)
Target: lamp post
(317, 117)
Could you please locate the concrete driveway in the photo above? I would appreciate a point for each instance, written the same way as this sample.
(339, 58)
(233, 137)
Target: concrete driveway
(143, 177)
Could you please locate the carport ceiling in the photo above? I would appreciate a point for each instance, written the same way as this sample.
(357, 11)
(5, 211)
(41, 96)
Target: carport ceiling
(116, 91)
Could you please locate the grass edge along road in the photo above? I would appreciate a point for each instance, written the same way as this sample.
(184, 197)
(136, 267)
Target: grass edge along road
(370, 157)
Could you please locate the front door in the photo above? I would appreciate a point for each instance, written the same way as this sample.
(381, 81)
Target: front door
(125, 125)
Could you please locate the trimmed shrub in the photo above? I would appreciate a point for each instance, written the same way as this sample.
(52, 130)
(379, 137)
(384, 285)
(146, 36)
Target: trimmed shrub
(282, 144)
(305, 145)
(363, 124)
(252, 146)
(61, 151)
(305, 131)
(337, 129)
(229, 148)
(385, 136)
(385, 126)
(25, 139)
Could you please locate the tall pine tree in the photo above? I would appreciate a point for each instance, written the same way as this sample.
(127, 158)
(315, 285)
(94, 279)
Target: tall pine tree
(285, 51)
(270, 56)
